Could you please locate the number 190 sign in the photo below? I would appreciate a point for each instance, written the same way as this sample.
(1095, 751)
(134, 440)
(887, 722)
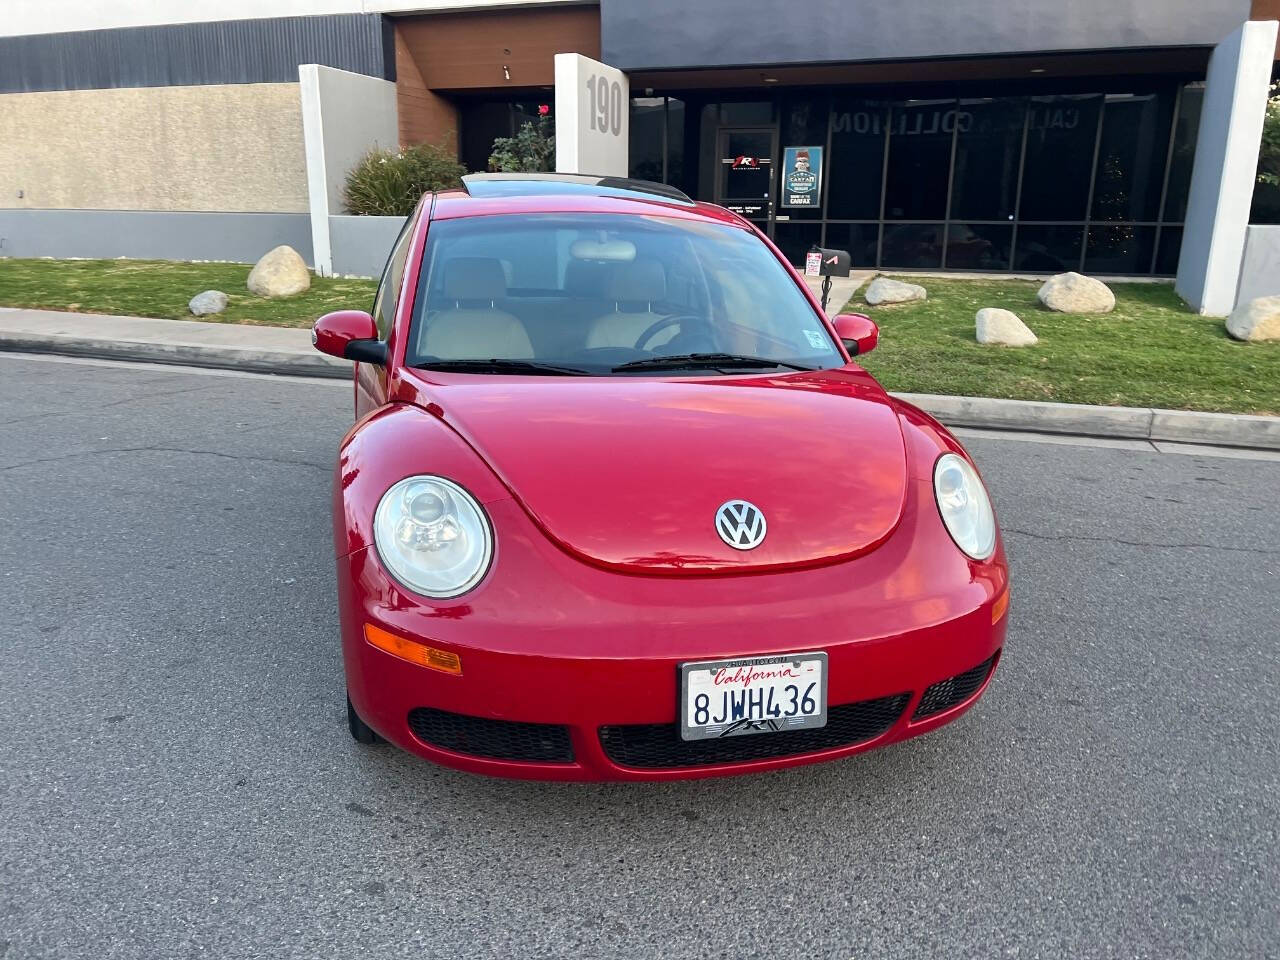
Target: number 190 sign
(592, 116)
(605, 104)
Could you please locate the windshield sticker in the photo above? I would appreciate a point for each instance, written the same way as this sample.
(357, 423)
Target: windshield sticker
(816, 339)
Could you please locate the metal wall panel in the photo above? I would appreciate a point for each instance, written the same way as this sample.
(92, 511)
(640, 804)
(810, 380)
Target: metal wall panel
(1260, 271)
(360, 246)
(669, 34)
(152, 234)
(236, 51)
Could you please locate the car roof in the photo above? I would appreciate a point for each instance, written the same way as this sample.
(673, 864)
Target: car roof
(547, 184)
(489, 194)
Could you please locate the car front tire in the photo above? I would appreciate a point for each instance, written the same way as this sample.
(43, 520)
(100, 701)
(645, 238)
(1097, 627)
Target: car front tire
(361, 732)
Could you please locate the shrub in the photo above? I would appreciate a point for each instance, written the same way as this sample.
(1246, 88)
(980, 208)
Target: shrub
(1269, 155)
(532, 150)
(386, 184)
(1266, 191)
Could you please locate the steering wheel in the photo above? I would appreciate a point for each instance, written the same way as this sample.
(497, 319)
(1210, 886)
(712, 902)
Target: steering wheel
(651, 331)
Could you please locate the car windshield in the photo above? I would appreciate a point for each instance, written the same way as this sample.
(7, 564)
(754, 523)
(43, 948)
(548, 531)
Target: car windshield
(602, 294)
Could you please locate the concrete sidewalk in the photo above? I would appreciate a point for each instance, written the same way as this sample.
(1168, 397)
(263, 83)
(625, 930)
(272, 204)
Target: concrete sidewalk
(289, 351)
(842, 288)
(234, 346)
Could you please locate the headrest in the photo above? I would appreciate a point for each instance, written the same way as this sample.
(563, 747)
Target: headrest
(474, 278)
(586, 278)
(638, 280)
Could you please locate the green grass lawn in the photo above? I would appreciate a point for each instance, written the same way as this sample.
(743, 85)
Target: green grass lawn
(1150, 351)
(151, 288)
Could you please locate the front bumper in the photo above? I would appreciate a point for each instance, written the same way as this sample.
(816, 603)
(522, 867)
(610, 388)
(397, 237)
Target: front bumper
(570, 672)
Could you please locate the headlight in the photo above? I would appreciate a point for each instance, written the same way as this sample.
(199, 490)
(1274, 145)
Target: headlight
(965, 508)
(433, 536)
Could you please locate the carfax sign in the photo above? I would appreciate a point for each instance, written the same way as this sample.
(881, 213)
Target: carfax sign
(801, 176)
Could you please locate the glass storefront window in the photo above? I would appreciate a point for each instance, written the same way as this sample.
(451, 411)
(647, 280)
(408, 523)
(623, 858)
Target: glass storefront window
(862, 240)
(804, 120)
(675, 143)
(795, 239)
(648, 124)
(988, 156)
(1048, 249)
(1168, 250)
(1040, 184)
(920, 135)
(979, 246)
(912, 246)
(1119, 248)
(1185, 131)
(1061, 136)
(746, 113)
(1131, 157)
(856, 175)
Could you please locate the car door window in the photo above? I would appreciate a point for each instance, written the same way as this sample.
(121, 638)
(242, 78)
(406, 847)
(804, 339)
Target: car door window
(388, 296)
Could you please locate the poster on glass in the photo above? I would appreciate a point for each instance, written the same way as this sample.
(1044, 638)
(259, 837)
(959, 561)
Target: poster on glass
(802, 177)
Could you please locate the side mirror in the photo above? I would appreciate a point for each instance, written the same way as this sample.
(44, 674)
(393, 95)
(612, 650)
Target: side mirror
(858, 333)
(351, 335)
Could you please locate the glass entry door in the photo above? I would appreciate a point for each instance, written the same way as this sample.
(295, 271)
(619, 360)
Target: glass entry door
(745, 178)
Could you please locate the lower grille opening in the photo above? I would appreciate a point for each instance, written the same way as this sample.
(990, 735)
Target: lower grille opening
(660, 745)
(494, 739)
(953, 691)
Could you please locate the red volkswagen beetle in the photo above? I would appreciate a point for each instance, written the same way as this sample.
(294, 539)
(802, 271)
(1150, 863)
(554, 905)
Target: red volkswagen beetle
(618, 504)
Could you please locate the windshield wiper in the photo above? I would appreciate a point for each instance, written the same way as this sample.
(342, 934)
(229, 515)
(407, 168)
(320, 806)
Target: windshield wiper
(503, 365)
(710, 361)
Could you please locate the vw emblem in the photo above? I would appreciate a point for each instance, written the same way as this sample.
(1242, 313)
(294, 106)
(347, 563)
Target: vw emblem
(741, 525)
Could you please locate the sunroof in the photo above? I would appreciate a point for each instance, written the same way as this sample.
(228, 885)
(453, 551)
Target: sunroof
(567, 184)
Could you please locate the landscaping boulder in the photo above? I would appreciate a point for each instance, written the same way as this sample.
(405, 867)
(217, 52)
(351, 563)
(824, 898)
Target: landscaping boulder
(209, 302)
(1003, 328)
(1075, 293)
(280, 273)
(884, 290)
(1256, 320)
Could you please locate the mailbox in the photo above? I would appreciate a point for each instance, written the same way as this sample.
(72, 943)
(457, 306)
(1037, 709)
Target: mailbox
(826, 263)
(831, 263)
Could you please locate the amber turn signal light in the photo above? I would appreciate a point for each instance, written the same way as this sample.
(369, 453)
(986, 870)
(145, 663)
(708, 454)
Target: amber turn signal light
(413, 651)
(999, 607)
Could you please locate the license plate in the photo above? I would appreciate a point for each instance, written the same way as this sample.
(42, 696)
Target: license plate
(732, 698)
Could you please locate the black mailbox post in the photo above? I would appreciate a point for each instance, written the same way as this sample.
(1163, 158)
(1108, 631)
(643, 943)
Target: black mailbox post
(831, 263)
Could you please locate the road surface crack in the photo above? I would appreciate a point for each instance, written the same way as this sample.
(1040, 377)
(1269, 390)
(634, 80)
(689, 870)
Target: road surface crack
(1138, 543)
(153, 448)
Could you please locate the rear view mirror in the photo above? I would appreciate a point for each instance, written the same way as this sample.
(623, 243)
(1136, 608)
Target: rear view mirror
(350, 335)
(620, 251)
(857, 332)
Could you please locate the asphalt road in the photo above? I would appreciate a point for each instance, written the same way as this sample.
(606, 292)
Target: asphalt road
(177, 779)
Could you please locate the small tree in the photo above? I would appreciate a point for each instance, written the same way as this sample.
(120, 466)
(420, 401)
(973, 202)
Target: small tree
(1269, 158)
(1266, 191)
(391, 184)
(532, 150)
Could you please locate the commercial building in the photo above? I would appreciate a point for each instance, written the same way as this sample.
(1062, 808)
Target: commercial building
(1109, 136)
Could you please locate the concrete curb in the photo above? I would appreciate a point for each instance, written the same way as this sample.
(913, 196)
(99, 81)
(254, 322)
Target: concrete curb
(1130, 423)
(224, 357)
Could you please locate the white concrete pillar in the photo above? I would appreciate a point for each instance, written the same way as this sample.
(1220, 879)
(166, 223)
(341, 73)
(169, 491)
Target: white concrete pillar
(1226, 162)
(344, 114)
(593, 116)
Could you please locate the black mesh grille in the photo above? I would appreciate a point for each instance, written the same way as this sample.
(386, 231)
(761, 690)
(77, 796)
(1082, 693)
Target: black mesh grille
(952, 691)
(660, 745)
(496, 739)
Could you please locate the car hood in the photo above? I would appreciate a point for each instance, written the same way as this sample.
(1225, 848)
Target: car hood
(629, 473)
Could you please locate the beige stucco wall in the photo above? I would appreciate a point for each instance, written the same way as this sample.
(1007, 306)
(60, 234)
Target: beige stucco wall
(235, 147)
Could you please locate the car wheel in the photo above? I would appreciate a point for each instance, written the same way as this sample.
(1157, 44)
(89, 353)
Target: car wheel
(361, 732)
